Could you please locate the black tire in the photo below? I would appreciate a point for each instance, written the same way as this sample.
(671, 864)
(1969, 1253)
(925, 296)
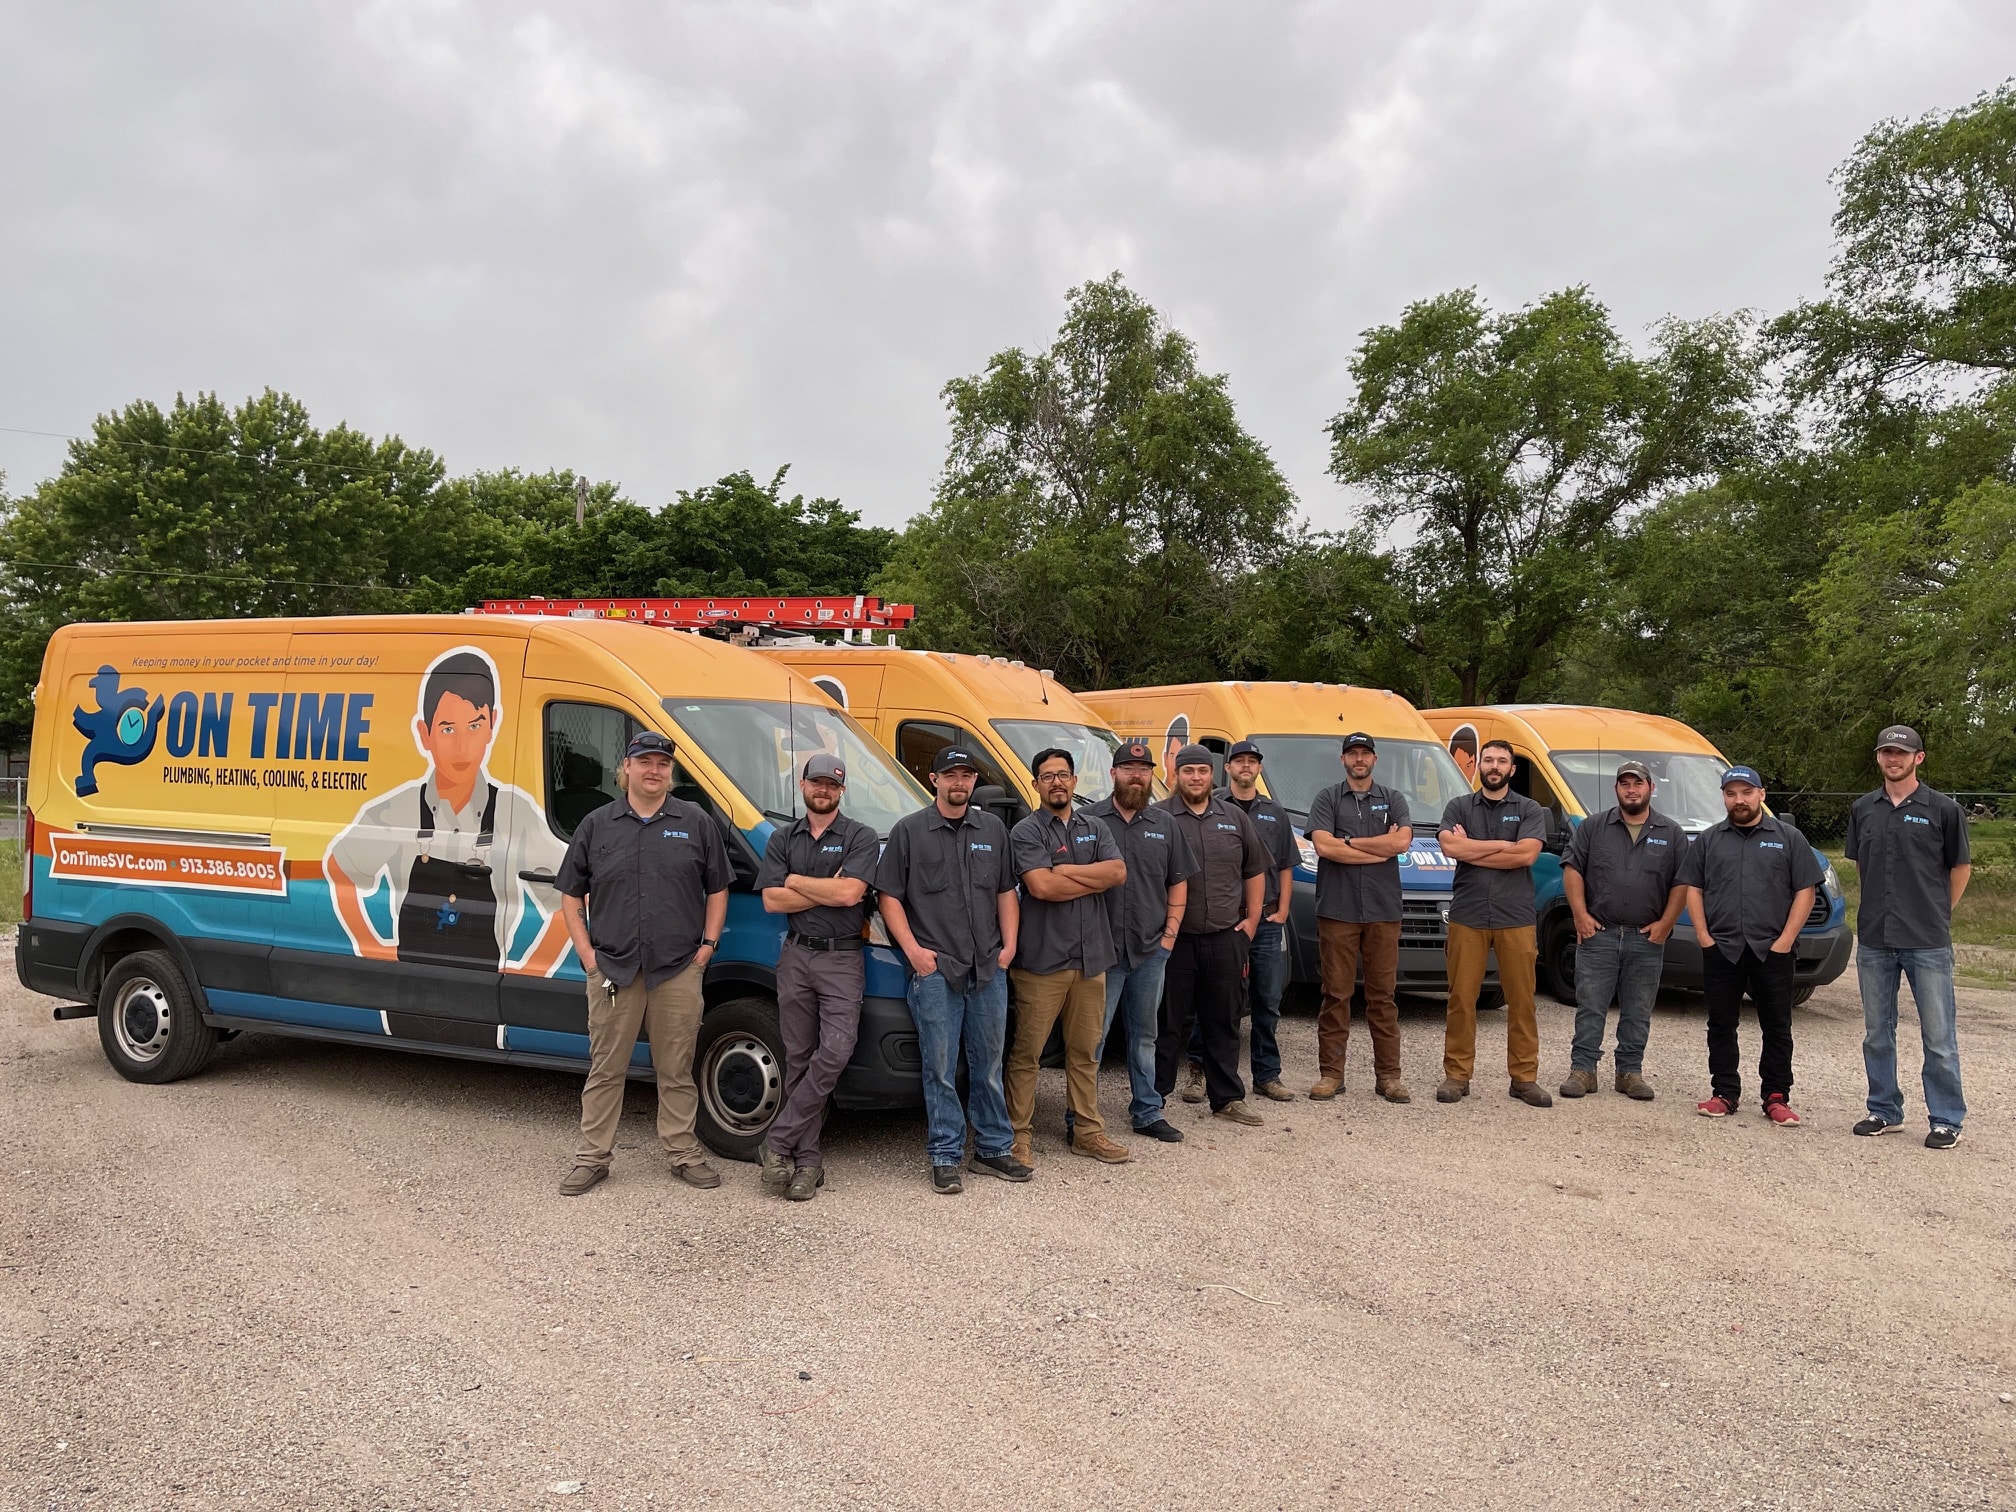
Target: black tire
(1557, 962)
(148, 1023)
(1800, 995)
(1490, 999)
(738, 1065)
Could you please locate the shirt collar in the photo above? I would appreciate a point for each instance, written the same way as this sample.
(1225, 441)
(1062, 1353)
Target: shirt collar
(938, 817)
(630, 810)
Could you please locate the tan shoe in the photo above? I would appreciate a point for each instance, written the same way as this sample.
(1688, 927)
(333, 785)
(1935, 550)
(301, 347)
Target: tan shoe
(1239, 1113)
(1326, 1088)
(1193, 1083)
(1099, 1147)
(580, 1179)
(1395, 1092)
(1019, 1151)
(1579, 1084)
(1273, 1091)
(697, 1173)
(1632, 1085)
(1452, 1090)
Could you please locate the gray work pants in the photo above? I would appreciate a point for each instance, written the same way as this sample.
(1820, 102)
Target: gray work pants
(819, 1012)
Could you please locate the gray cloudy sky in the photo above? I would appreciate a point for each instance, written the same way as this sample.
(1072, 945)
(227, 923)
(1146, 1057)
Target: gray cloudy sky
(660, 243)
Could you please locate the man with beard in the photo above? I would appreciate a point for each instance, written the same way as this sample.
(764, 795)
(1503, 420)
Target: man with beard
(816, 873)
(1145, 912)
(1066, 860)
(1750, 883)
(948, 901)
(1493, 835)
(1621, 874)
(1267, 966)
(1207, 969)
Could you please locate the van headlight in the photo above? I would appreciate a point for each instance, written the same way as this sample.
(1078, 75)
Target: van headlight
(1308, 848)
(878, 933)
(1830, 881)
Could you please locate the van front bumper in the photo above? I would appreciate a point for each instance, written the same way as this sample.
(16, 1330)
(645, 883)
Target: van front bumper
(1819, 958)
(886, 1070)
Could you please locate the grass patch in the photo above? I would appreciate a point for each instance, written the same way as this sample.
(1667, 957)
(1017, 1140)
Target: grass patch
(10, 881)
(1984, 925)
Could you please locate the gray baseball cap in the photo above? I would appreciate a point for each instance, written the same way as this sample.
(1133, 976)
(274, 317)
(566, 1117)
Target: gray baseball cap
(831, 767)
(1903, 737)
(1193, 755)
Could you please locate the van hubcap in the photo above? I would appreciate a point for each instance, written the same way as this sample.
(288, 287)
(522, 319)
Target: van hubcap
(140, 1019)
(743, 1083)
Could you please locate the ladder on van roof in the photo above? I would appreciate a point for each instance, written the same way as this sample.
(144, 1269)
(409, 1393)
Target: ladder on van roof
(745, 619)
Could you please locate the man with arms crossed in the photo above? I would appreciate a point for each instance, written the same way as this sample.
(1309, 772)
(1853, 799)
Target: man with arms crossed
(948, 901)
(816, 873)
(644, 889)
(1621, 875)
(1493, 836)
(1910, 845)
(1066, 860)
(1750, 884)
(1360, 829)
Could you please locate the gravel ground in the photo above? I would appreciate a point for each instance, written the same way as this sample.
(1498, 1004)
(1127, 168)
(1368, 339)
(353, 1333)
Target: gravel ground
(330, 1278)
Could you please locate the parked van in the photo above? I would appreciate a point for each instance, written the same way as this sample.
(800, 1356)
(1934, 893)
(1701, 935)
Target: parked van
(918, 702)
(1300, 729)
(231, 829)
(1567, 758)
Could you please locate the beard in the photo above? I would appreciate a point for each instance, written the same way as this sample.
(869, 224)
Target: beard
(821, 803)
(1743, 818)
(1495, 782)
(1635, 809)
(1131, 793)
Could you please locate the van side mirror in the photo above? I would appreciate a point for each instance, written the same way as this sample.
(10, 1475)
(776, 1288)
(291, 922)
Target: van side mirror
(1554, 836)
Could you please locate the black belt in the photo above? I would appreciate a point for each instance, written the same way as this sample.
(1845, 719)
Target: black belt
(835, 942)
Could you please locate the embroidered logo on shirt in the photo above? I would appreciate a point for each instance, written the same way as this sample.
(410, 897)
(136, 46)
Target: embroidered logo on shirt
(1232, 827)
(675, 835)
(1650, 840)
(1916, 819)
(1771, 845)
(832, 850)
(1267, 818)
(1153, 835)
(980, 845)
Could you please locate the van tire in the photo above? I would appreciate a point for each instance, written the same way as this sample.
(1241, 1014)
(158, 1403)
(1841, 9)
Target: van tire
(1490, 999)
(1557, 962)
(148, 1023)
(738, 1066)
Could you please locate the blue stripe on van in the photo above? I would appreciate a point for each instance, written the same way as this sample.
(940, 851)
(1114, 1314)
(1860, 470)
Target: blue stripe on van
(279, 1010)
(552, 1042)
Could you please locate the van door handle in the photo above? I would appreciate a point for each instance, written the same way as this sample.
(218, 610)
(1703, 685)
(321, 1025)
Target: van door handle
(539, 876)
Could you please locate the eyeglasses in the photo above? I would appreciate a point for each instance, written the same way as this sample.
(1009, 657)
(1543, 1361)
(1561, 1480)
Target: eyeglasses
(1047, 777)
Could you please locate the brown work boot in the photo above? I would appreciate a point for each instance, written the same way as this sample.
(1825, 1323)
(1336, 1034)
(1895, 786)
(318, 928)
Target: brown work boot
(1452, 1090)
(1099, 1147)
(1237, 1112)
(697, 1173)
(1634, 1086)
(581, 1178)
(1019, 1151)
(1395, 1092)
(1326, 1088)
(1579, 1084)
(1273, 1091)
(1193, 1083)
(1532, 1094)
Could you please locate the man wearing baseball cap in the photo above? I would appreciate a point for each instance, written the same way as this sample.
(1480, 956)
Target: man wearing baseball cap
(948, 901)
(644, 889)
(816, 873)
(1910, 845)
(1267, 963)
(1621, 873)
(1750, 884)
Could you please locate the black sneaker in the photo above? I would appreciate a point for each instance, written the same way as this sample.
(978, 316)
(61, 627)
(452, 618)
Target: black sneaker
(1163, 1130)
(1942, 1137)
(946, 1179)
(1870, 1127)
(1007, 1167)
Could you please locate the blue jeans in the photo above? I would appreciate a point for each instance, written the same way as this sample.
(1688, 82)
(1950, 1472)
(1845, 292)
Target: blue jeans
(945, 1018)
(1931, 974)
(1139, 991)
(1624, 964)
(1266, 979)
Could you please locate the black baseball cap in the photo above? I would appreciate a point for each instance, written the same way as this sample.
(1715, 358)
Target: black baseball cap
(649, 743)
(952, 756)
(1359, 740)
(1133, 753)
(1244, 748)
(1903, 737)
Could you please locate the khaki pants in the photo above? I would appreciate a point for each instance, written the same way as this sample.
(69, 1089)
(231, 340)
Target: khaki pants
(1469, 950)
(669, 1016)
(1342, 946)
(1039, 1001)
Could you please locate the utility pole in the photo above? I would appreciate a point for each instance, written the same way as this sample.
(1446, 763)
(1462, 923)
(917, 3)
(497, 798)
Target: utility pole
(580, 502)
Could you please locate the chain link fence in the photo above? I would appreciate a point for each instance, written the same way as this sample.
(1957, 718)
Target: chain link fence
(13, 798)
(1823, 815)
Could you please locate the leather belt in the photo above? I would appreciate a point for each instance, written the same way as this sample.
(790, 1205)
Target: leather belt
(836, 942)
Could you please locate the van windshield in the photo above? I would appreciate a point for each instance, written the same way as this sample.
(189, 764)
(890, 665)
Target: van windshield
(1091, 750)
(1297, 767)
(762, 746)
(1687, 786)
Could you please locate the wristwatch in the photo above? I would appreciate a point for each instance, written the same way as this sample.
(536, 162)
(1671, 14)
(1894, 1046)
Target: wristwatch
(711, 944)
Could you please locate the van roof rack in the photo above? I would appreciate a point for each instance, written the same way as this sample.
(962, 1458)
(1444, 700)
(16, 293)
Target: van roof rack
(747, 620)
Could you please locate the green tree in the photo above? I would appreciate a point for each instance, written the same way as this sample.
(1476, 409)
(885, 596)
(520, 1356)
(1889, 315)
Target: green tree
(1098, 505)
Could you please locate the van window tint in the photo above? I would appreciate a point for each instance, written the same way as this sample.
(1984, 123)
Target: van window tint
(584, 746)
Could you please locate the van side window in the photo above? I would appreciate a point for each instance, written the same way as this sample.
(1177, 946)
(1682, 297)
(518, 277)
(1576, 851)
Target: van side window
(918, 742)
(1527, 779)
(584, 746)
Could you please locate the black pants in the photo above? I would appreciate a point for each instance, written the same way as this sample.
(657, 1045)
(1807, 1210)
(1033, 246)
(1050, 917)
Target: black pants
(1205, 980)
(1768, 979)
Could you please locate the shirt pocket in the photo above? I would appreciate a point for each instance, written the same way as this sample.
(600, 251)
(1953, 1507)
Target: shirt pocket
(933, 874)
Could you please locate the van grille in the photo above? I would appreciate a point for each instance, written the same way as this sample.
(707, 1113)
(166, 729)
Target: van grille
(1421, 924)
(1822, 909)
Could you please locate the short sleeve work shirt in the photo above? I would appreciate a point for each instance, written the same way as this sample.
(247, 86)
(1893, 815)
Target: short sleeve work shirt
(849, 848)
(1227, 850)
(948, 874)
(1906, 853)
(1277, 833)
(1626, 882)
(1747, 879)
(1073, 936)
(1157, 857)
(1367, 893)
(1483, 897)
(647, 882)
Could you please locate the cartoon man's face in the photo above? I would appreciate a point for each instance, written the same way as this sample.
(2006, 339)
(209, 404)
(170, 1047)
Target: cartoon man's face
(459, 738)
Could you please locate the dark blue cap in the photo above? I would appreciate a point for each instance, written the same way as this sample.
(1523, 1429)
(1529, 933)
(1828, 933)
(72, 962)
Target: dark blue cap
(1244, 748)
(1134, 751)
(1742, 774)
(952, 756)
(649, 743)
(1359, 740)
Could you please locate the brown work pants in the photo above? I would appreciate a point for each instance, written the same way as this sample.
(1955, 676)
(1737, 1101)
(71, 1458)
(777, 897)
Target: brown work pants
(669, 1016)
(1343, 948)
(1080, 1000)
(1469, 952)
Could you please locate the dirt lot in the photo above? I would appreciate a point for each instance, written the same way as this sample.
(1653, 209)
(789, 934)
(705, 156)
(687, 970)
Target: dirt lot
(319, 1277)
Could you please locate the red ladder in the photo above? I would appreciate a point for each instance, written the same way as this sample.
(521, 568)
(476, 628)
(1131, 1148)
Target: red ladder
(857, 612)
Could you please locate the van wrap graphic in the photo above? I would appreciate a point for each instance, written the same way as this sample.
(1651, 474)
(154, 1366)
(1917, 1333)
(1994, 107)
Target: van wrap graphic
(120, 730)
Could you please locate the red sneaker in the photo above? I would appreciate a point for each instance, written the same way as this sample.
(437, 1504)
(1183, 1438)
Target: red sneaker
(1715, 1107)
(1780, 1111)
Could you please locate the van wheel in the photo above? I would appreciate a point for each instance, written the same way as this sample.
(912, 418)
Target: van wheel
(739, 1066)
(1800, 995)
(1490, 999)
(148, 1023)
(1557, 962)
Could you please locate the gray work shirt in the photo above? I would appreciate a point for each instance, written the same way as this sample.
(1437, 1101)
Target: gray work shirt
(1073, 936)
(1626, 883)
(1747, 879)
(647, 882)
(1277, 833)
(948, 874)
(1157, 857)
(1906, 853)
(1483, 897)
(1227, 850)
(1368, 893)
(849, 848)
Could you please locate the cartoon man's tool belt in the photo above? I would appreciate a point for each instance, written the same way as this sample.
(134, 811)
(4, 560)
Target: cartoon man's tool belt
(169, 863)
